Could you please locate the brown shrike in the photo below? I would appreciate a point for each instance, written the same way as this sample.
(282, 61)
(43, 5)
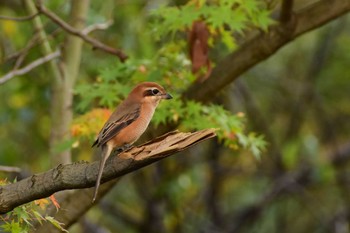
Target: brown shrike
(128, 122)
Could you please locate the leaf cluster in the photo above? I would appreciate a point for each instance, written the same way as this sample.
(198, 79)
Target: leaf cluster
(169, 67)
(223, 17)
(23, 218)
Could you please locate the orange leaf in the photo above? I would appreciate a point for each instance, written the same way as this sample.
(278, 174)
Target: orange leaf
(42, 203)
(54, 202)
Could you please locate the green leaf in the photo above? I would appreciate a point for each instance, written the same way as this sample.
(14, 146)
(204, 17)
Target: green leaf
(250, 6)
(56, 223)
(13, 227)
(38, 216)
(263, 20)
(22, 214)
(16, 227)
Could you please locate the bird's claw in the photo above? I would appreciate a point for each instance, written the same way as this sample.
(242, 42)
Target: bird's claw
(124, 148)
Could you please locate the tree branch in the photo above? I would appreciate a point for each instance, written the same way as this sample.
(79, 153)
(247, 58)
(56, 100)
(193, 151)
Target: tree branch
(83, 174)
(65, 26)
(19, 19)
(264, 45)
(29, 67)
(97, 26)
(9, 169)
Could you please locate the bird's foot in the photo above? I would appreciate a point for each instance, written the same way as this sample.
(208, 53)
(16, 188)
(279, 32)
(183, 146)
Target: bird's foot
(124, 148)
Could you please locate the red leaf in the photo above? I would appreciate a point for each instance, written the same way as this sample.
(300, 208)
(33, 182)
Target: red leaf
(54, 202)
(198, 46)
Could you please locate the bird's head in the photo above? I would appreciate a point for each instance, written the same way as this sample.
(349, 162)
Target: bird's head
(150, 92)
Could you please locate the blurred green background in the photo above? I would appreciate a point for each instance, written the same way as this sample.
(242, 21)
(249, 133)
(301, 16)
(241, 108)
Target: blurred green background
(298, 99)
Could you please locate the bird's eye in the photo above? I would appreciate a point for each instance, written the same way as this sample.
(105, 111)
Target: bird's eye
(155, 91)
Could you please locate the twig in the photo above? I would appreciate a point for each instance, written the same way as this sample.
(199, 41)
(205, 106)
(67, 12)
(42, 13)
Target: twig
(9, 169)
(19, 19)
(65, 26)
(29, 67)
(31, 44)
(25, 51)
(97, 26)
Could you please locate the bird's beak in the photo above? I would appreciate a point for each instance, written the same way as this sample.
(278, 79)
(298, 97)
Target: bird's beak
(167, 96)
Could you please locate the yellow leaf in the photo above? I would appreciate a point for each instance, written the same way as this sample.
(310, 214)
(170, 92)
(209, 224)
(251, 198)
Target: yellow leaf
(42, 203)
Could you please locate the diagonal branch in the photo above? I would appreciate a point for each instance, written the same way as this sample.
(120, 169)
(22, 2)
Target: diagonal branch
(83, 174)
(29, 67)
(19, 19)
(9, 169)
(97, 26)
(65, 26)
(264, 45)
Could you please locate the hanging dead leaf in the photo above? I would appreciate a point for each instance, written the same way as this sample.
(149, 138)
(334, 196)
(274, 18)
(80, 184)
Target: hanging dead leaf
(198, 48)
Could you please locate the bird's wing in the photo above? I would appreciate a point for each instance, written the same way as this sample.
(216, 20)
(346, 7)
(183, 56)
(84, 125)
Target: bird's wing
(118, 121)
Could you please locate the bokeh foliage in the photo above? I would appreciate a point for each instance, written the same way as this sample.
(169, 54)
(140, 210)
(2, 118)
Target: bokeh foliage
(298, 99)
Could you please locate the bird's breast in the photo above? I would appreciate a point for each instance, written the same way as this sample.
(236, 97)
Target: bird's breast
(132, 132)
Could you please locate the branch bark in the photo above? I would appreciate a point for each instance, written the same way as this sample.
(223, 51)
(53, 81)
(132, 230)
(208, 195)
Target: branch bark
(83, 175)
(264, 45)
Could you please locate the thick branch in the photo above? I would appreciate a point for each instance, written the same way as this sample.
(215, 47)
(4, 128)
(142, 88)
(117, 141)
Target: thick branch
(266, 44)
(83, 174)
(29, 67)
(65, 26)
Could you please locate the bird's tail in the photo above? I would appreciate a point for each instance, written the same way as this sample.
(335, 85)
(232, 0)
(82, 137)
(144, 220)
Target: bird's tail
(106, 151)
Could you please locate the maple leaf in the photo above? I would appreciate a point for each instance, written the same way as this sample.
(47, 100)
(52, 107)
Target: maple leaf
(42, 203)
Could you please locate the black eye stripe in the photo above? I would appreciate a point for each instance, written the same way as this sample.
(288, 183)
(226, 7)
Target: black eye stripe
(155, 91)
(151, 92)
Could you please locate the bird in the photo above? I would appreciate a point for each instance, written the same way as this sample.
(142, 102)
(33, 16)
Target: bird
(128, 122)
